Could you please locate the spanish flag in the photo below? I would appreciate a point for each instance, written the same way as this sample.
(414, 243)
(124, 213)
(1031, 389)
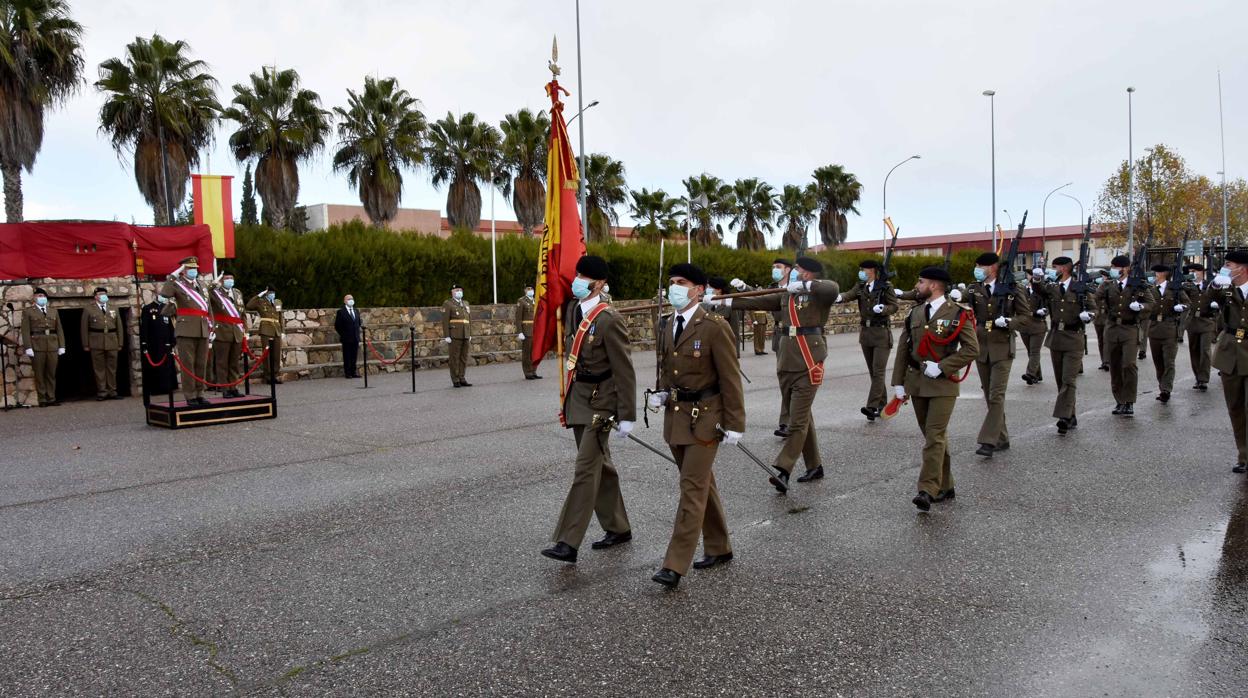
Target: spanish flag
(214, 208)
(563, 242)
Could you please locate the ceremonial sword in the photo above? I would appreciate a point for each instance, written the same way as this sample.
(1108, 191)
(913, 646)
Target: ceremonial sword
(772, 471)
(611, 424)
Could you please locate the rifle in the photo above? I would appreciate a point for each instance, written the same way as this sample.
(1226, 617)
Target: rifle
(1137, 280)
(886, 271)
(1007, 284)
(1177, 278)
(1082, 280)
(948, 257)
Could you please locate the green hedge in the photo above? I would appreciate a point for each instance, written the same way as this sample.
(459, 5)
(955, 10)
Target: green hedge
(381, 268)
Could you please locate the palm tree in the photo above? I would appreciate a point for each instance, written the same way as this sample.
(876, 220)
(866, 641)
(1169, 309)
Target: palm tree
(660, 212)
(381, 132)
(40, 66)
(526, 139)
(797, 211)
(464, 152)
(606, 189)
(754, 205)
(838, 192)
(163, 106)
(709, 199)
(279, 126)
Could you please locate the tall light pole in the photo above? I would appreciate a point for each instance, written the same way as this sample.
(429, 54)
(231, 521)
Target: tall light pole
(589, 106)
(1222, 128)
(1010, 218)
(992, 135)
(1044, 219)
(890, 172)
(580, 105)
(1130, 176)
(1068, 196)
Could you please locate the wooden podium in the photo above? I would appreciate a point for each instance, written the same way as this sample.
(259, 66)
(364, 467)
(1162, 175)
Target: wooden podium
(222, 410)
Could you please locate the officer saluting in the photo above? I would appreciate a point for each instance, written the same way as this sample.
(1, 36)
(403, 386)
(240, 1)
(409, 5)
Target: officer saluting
(700, 387)
(1228, 295)
(44, 340)
(937, 342)
(876, 302)
(456, 316)
(194, 328)
(271, 330)
(1072, 309)
(231, 332)
(101, 336)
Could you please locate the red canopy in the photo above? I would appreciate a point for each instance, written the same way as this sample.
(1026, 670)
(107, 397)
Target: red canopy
(92, 250)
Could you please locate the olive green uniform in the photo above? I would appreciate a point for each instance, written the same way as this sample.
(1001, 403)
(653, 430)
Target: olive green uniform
(996, 352)
(758, 325)
(456, 316)
(231, 332)
(42, 333)
(270, 330)
(1122, 334)
(1201, 330)
(1099, 323)
(1067, 340)
(1164, 332)
(525, 308)
(101, 335)
(702, 376)
(1033, 328)
(191, 307)
(1230, 358)
(934, 398)
(875, 337)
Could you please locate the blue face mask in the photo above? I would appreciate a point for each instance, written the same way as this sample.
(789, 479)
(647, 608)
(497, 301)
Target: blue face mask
(41, 301)
(103, 298)
(793, 276)
(1114, 273)
(1152, 279)
(351, 303)
(228, 284)
(580, 288)
(678, 296)
(777, 273)
(1051, 275)
(162, 300)
(1224, 271)
(862, 275)
(272, 297)
(980, 273)
(192, 274)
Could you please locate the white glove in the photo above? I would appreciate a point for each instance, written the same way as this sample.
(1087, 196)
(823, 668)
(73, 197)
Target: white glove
(1180, 308)
(212, 337)
(931, 369)
(713, 302)
(656, 400)
(839, 297)
(1221, 281)
(60, 351)
(1085, 316)
(625, 429)
(30, 352)
(796, 287)
(962, 287)
(878, 308)
(956, 295)
(446, 339)
(898, 292)
(1037, 272)
(520, 336)
(1135, 305)
(899, 391)
(1213, 305)
(1043, 312)
(732, 437)
(1001, 322)
(737, 284)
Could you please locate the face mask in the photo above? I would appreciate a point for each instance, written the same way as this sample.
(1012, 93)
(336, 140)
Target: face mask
(162, 300)
(1224, 271)
(41, 301)
(272, 297)
(580, 288)
(776, 274)
(529, 293)
(793, 276)
(980, 274)
(1051, 274)
(606, 288)
(192, 274)
(103, 298)
(228, 284)
(679, 296)
(862, 276)
(709, 294)
(1152, 279)
(457, 295)
(1115, 273)
(351, 303)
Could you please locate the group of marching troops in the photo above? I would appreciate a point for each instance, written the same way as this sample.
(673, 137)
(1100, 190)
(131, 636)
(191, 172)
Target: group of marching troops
(947, 328)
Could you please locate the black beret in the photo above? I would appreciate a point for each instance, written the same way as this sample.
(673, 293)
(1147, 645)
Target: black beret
(870, 264)
(1237, 256)
(987, 259)
(1194, 266)
(810, 264)
(1161, 267)
(40, 292)
(935, 274)
(688, 271)
(227, 273)
(1121, 261)
(98, 290)
(717, 282)
(785, 262)
(1063, 260)
(456, 286)
(593, 267)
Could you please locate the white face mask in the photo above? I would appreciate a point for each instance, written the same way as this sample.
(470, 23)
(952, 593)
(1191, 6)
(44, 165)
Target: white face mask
(678, 296)
(162, 300)
(457, 295)
(351, 303)
(529, 293)
(228, 284)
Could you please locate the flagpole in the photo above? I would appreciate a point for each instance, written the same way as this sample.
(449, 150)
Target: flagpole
(493, 240)
(580, 105)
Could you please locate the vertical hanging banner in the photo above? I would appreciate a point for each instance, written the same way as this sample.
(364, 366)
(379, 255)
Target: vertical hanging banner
(215, 209)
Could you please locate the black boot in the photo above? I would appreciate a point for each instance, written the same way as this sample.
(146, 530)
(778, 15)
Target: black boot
(815, 474)
(561, 551)
(667, 578)
(781, 484)
(923, 501)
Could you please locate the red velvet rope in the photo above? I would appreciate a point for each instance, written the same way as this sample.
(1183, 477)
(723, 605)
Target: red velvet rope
(244, 377)
(155, 364)
(925, 344)
(381, 358)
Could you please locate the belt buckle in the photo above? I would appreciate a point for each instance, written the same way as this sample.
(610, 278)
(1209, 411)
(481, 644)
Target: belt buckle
(792, 331)
(693, 413)
(1239, 334)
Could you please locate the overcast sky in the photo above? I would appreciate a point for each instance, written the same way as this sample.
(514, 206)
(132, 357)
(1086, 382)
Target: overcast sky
(734, 88)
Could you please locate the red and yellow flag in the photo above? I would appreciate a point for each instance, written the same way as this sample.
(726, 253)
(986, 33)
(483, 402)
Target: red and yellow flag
(563, 242)
(214, 208)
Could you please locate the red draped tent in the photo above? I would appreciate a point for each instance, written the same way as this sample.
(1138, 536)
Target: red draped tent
(94, 250)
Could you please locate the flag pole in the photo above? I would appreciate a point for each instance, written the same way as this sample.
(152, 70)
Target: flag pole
(559, 352)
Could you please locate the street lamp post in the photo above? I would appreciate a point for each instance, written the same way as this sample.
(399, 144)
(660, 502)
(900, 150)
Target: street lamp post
(992, 135)
(890, 172)
(589, 106)
(1044, 219)
(1008, 217)
(1130, 175)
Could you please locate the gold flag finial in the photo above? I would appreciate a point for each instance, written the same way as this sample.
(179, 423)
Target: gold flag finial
(554, 56)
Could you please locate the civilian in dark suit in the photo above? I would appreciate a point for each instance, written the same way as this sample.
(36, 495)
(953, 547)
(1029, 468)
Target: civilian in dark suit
(348, 324)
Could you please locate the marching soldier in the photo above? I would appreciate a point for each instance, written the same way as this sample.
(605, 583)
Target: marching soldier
(1100, 319)
(1228, 295)
(757, 320)
(782, 273)
(525, 307)
(1072, 308)
(995, 334)
(1032, 330)
(101, 336)
(44, 339)
(231, 332)
(1124, 305)
(270, 330)
(601, 397)
(799, 361)
(456, 316)
(194, 327)
(158, 340)
(717, 286)
(1171, 303)
(1202, 327)
(876, 303)
(700, 387)
(937, 343)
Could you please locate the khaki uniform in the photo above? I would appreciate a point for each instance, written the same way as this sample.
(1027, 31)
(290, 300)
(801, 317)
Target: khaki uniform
(605, 387)
(525, 308)
(1202, 328)
(42, 332)
(875, 337)
(190, 305)
(101, 335)
(1066, 341)
(1164, 332)
(1230, 358)
(1122, 334)
(1099, 323)
(270, 329)
(701, 372)
(758, 325)
(996, 353)
(934, 398)
(796, 389)
(456, 316)
(1033, 328)
(231, 333)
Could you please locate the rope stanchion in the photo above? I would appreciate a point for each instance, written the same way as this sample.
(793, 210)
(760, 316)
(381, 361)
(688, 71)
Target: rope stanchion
(210, 384)
(381, 359)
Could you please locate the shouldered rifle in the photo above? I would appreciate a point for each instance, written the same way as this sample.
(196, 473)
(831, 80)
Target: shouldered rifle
(886, 271)
(1007, 284)
(1137, 279)
(1081, 280)
(948, 257)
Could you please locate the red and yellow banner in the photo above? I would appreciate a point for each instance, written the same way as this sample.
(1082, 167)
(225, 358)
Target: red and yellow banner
(215, 209)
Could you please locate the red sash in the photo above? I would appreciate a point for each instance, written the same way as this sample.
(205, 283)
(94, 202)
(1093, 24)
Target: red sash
(575, 353)
(815, 369)
(229, 319)
(196, 312)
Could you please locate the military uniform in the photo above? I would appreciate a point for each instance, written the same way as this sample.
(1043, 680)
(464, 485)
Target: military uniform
(194, 327)
(996, 355)
(158, 338)
(758, 326)
(525, 308)
(1066, 344)
(1202, 327)
(1033, 328)
(875, 338)
(1164, 332)
(231, 335)
(1099, 323)
(946, 337)
(270, 330)
(101, 335)
(1122, 336)
(43, 336)
(456, 316)
(1230, 356)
